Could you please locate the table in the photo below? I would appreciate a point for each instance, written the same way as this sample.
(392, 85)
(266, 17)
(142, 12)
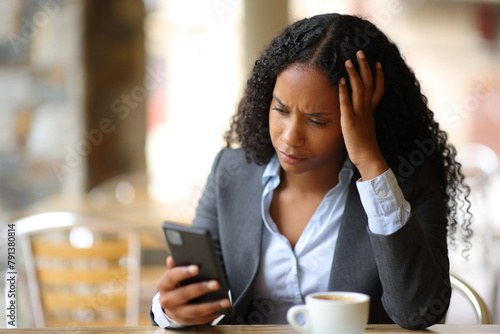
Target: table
(257, 329)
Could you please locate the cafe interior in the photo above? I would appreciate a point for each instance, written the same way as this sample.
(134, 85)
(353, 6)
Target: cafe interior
(112, 112)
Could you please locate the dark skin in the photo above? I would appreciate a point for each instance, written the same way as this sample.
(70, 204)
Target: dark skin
(304, 124)
(308, 154)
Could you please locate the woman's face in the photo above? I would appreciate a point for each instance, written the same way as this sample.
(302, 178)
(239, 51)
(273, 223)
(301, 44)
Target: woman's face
(304, 121)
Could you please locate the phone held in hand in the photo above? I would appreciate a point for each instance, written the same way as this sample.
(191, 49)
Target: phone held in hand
(193, 245)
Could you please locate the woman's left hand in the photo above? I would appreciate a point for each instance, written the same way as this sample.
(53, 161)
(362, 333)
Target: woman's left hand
(357, 117)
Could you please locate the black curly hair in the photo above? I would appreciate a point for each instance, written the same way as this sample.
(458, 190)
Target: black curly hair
(405, 126)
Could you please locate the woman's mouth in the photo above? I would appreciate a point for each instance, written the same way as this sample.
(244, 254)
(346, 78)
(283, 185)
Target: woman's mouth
(290, 159)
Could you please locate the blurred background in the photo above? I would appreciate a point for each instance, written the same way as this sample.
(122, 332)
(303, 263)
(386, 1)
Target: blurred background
(116, 108)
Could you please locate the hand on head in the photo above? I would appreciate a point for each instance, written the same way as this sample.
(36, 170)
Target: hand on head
(357, 116)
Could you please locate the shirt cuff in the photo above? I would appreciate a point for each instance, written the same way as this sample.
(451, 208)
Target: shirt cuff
(160, 317)
(384, 203)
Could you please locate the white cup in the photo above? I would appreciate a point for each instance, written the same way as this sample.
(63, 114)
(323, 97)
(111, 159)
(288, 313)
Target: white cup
(334, 312)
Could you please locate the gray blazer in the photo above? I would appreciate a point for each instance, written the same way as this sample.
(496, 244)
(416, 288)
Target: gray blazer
(406, 273)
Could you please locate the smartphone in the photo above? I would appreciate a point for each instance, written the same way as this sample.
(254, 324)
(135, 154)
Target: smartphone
(193, 245)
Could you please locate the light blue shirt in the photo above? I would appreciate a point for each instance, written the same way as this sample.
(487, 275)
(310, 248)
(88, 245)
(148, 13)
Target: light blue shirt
(287, 275)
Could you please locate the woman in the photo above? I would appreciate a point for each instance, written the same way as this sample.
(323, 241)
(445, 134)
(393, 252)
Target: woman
(343, 181)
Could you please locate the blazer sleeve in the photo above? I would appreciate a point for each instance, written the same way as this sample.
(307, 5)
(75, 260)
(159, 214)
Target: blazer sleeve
(413, 262)
(206, 211)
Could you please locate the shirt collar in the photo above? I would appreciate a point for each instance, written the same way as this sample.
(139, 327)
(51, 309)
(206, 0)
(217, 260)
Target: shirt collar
(273, 169)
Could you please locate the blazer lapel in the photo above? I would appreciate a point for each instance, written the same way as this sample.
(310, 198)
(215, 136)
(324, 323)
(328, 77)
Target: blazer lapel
(242, 253)
(348, 272)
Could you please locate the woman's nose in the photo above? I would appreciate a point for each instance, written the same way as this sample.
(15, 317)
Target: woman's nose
(292, 134)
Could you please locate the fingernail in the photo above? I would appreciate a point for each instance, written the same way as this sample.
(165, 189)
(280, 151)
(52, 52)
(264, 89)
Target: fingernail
(378, 65)
(361, 55)
(192, 269)
(212, 285)
(342, 82)
(349, 63)
(225, 303)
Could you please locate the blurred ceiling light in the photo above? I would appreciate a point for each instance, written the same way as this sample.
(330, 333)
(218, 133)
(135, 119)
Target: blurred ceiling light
(125, 192)
(81, 237)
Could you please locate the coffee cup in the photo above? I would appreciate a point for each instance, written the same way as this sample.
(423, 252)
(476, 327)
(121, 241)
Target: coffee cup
(334, 312)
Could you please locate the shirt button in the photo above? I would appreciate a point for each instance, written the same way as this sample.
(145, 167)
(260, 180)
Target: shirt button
(382, 193)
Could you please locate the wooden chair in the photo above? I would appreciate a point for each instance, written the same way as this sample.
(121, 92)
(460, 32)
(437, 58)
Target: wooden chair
(81, 270)
(482, 311)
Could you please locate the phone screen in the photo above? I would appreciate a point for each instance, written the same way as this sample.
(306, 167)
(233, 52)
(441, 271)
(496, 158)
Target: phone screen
(193, 245)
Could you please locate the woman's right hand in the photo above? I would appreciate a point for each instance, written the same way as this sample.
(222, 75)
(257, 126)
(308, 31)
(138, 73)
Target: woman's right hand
(174, 298)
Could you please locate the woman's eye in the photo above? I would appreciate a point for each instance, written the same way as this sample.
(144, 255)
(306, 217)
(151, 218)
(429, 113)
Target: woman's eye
(281, 111)
(317, 123)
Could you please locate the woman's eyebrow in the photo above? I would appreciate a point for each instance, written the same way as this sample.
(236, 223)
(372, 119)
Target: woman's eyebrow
(313, 114)
(279, 101)
(318, 114)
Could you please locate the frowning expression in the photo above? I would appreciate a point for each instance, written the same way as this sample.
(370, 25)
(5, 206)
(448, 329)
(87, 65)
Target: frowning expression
(304, 121)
